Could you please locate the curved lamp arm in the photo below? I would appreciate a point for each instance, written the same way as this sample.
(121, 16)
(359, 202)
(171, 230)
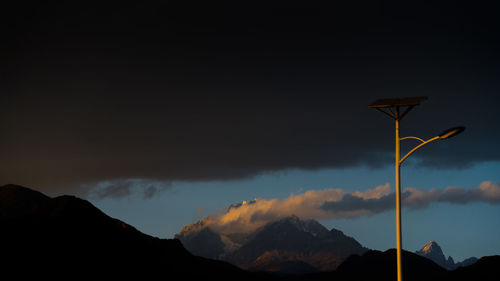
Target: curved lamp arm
(415, 138)
(417, 147)
(444, 135)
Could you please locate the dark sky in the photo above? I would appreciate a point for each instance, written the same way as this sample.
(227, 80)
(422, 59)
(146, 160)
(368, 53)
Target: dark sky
(215, 90)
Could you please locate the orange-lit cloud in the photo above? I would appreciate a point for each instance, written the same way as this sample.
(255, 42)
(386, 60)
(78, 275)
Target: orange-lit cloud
(336, 203)
(251, 215)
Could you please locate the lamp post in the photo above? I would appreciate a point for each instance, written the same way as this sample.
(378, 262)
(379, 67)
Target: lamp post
(391, 107)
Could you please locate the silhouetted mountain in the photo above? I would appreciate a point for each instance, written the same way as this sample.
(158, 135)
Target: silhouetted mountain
(277, 245)
(466, 262)
(434, 252)
(486, 268)
(376, 265)
(68, 238)
(17, 201)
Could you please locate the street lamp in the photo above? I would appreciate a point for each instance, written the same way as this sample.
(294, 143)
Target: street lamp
(391, 107)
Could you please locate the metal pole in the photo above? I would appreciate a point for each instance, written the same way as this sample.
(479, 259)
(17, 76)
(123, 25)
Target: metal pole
(398, 203)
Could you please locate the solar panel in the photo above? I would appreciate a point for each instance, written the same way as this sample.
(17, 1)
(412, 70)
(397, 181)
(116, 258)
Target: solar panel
(395, 102)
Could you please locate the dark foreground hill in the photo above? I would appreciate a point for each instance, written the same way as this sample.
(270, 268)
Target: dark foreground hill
(67, 238)
(377, 265)
(486, 268)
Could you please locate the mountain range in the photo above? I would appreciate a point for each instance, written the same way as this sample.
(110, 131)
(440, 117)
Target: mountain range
(67, 238)
(288, 245)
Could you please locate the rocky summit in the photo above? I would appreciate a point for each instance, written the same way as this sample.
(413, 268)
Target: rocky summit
(433, 251)
(305, 244)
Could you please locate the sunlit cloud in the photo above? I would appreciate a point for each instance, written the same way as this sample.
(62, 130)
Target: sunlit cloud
(247, 216)
(487, 191)
(336, 203)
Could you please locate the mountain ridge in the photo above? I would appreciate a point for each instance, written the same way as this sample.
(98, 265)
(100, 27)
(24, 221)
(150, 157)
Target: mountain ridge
(288, 240)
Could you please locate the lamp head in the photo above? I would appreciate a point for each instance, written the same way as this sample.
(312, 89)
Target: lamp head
(451, 132)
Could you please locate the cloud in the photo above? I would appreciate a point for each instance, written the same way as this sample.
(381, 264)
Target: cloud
(250, 215)
(487, 191)
(354, 205)
(415, 198)
(336, 203)
(377, 192)
(220, 96)
(125, 187)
